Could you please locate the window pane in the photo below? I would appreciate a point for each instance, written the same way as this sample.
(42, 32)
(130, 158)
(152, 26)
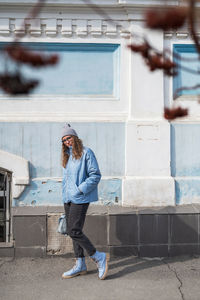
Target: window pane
(189, 59)
(83, 69)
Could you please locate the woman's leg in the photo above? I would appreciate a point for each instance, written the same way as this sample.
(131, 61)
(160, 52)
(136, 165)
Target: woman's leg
(75, 214)
(80, 267)
(78, 250)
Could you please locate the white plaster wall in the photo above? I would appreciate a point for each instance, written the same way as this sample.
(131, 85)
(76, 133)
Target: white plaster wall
(147, 148)
(147, 179)
(147, 94)
(148, 191)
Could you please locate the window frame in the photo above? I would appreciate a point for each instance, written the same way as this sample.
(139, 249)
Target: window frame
(55, 47)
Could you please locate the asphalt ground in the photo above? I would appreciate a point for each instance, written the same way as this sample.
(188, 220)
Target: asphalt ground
(128, 278)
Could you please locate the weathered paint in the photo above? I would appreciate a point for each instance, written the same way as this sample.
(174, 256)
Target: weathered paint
(185, 162)
(40, 144)
(187, 190)
(49, 192)
(110, 191)
(185, 146)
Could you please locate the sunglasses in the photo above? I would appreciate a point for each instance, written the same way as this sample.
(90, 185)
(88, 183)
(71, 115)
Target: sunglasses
(66, 139)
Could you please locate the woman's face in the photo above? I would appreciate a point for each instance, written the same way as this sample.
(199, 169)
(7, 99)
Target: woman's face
(67, 140)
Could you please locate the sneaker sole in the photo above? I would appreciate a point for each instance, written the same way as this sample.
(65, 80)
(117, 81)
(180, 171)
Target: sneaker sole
(106, 270)
(77, 274)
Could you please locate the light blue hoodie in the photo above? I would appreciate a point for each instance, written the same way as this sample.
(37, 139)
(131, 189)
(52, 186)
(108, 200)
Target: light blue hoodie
(80, 178)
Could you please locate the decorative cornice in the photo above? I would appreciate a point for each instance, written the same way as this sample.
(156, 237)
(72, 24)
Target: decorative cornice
(75, 17)
(178, 35)
(63, 27)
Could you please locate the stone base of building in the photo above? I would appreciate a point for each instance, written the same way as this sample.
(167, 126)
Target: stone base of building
(144, 232)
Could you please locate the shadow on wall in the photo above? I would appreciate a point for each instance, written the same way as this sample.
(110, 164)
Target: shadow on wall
(163, 232)
(167, 235)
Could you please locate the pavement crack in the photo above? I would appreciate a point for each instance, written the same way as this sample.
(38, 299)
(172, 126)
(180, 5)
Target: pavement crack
(178, 278)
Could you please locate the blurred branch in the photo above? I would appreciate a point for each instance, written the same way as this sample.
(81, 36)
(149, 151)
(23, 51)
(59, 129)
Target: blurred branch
(184, 88)
(191, 21)
(32, 14)
(173, 113)
(15, 83)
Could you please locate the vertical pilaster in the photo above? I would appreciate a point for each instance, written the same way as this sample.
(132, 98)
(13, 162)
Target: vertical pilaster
(147, 150)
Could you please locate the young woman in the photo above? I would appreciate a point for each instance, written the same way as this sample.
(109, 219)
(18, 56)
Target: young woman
(81, 176)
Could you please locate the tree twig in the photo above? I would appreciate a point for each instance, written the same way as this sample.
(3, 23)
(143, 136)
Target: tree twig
(191, 21)
(186, 88)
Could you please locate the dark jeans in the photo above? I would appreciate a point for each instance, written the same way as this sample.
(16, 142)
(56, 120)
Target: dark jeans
(75, 216)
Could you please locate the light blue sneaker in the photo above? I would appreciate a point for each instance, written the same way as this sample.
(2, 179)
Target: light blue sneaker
(101, 259)
(78, 269)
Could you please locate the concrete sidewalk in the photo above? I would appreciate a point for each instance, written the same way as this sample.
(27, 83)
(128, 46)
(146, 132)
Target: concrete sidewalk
(128, 278)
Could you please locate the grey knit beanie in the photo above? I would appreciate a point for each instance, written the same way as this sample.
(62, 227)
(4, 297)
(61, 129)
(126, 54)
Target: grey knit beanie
(68, 130)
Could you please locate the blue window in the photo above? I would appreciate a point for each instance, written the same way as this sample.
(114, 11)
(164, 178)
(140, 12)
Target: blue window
(83, 70)
(189, 59)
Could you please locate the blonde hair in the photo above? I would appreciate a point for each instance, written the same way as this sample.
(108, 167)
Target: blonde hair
(77, 150)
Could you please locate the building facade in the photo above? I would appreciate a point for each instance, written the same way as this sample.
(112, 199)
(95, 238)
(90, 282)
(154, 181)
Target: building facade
(109, 96)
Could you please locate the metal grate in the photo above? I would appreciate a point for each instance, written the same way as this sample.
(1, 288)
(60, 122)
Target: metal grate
(5, 184)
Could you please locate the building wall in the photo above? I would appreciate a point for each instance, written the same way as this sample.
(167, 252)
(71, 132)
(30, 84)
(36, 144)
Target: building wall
(184, 132)
(40, 144)
(116, 105)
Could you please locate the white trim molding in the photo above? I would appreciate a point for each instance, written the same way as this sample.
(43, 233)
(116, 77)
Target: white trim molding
(63, 27)
(63, 116)
(102, 3)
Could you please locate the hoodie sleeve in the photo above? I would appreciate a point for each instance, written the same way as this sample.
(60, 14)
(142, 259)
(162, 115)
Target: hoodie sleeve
(93, 172)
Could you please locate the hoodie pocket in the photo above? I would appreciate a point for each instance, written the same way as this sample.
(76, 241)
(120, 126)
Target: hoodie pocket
(74, 191)
(77, 190)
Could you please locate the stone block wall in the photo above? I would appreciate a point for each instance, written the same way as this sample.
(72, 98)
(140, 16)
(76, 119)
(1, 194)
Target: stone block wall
(160, 232)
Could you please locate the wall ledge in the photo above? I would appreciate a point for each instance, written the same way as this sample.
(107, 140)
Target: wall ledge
(19, 168)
